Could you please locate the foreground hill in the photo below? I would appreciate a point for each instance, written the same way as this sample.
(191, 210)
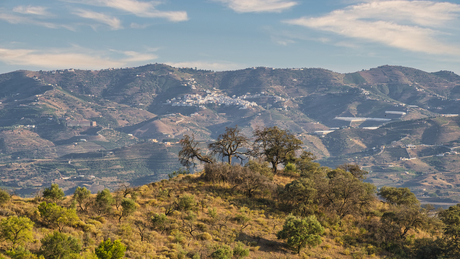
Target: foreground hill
(218, 214)
(58, 125)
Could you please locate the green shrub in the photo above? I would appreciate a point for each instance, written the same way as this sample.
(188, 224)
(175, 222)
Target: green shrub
(110, 250)
(239, 251)
(223, 252)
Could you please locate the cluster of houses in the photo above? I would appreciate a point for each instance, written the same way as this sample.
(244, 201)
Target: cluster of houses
(210, 98)
(220, 99)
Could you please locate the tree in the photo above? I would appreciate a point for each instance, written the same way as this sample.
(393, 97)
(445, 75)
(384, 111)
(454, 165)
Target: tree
(128, 207)
(451, 230)
(56, 216)
(301, 232)
(17, 230)
(398, 196)
(229, 144)
(397, 223)
(343, 193)
(306, 165)
(53, 193)
(59, 246)
(355, 170)
(110, 250)
(81, 196)
(277, 145)
(301, 194)
(142, 227)
(190, 151)
(104, 201)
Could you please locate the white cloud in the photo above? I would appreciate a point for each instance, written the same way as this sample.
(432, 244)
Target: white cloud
(36, 10)
(66, 58)
(15, 19)
(410, 25)
(257, 6)
(138, 8)
(216, 66)
(113, 22)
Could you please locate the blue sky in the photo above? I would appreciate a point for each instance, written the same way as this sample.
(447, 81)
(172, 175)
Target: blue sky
(340, 35)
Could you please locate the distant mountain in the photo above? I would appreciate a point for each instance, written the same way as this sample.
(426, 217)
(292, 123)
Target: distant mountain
(65, 117)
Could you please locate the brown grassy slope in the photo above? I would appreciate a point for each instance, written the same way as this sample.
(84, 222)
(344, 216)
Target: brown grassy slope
(259, 234)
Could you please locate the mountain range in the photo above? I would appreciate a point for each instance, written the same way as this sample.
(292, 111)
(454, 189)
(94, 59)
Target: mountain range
(101, 128)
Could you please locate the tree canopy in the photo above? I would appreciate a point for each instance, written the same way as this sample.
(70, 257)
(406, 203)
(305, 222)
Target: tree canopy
(276, 145)
(53, 193)
(17, 230)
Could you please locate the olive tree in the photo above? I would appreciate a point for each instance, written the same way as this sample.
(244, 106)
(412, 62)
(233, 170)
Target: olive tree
(81, 196)
(128, 207)
(53, 193)
(398, 196)
(276, 145)
(17, 230)
(103, 203)
(56, 216)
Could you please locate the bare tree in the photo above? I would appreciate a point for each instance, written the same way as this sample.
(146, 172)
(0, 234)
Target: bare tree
(190, 151)
(229, 144)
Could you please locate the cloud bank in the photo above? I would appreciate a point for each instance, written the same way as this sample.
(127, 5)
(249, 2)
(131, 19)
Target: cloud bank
(138, 8)
(70, 58)
(418, 26)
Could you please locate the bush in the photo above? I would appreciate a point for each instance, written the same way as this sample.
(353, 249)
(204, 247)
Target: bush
(242, 178)
(223, 252)
(4, 196)
(301, 232)
(261, 168)
(290, 167)
(110, 250)
(239, 251)
(21, 253)
(205, 236)
(186, 203)
(59, 246)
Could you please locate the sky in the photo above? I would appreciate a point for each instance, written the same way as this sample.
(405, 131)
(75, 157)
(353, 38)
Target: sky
(340, 35)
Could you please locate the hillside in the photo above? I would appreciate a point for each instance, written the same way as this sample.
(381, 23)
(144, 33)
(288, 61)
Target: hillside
(193, 216)
(53, 123)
